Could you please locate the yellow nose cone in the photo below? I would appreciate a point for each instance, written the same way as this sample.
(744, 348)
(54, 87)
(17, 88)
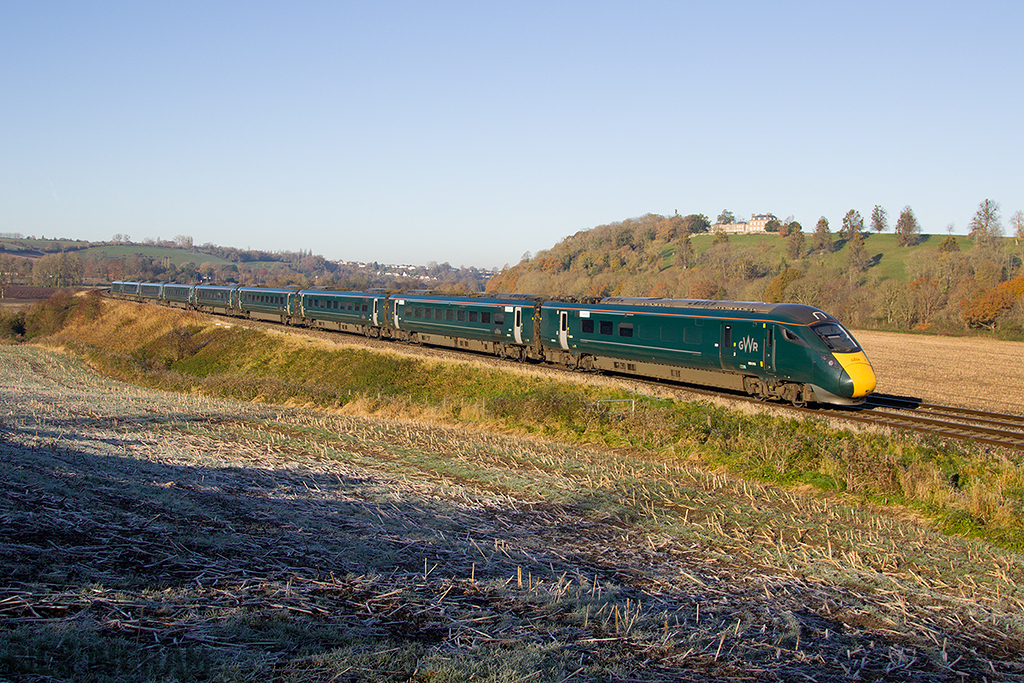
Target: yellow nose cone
(860, 371)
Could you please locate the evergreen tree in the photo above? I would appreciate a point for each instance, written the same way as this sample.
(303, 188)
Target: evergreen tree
(822, 236)
(907, 227)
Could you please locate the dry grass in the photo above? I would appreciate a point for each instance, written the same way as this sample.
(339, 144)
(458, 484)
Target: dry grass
(161, 536)
(971, 372)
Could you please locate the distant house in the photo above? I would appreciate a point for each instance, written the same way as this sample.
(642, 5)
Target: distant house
(754, 226)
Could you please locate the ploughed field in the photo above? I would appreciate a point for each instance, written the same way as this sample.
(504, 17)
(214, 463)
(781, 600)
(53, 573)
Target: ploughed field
(150, 535)
(970, 372)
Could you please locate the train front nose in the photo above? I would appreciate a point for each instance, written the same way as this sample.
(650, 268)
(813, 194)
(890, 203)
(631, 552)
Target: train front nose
(858, 375)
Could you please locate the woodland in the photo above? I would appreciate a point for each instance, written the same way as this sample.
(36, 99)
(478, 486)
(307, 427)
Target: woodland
(867, 277)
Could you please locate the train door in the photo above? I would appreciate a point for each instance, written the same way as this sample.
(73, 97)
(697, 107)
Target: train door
(769, 350)
(517, 326)
(376, 312)
(744, 347)
(563, 329)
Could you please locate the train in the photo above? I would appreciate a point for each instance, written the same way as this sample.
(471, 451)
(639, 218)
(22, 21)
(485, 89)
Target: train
(773, 351)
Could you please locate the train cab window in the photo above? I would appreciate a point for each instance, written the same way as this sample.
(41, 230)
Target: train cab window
(625, 329)
(485, 317)
(587, 326)
(836, 338)
(473, 316)
(606, 327)
(448, 314)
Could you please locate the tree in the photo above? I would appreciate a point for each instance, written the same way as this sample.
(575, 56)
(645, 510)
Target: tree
(1017, 223)
(684, 251)
(857, 254)
(695, 223)
(774, 225)
(983, 309)
(948, 244)
(879, 219)
(726, 217)
(852, 223)
(986, 227)
(57, 270)
(705, 289)
(776, 290)
(822, 236)
(907, 227)
(795, 241)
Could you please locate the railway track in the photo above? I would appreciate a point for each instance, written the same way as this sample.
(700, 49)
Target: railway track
(896, 412)
(966, 424)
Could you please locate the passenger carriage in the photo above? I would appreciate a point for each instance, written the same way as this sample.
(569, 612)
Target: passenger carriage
(500, 326)
(354, 312)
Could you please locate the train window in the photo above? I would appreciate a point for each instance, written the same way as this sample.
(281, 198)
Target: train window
(418, 313)
(587, 326)
(692, 335)
(499, 317)
(485, 317)
(625, 329)
(408, 311)
(364, 307)
(836, 338)
(473, 316)
(606, 327)
(461, 317)
(670, 333)
(448, 314)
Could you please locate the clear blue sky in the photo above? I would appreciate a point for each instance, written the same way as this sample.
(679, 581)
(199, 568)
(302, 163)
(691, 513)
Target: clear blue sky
(472, 132)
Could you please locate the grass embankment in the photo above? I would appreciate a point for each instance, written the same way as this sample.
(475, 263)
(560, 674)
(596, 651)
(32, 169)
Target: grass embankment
(964, 489)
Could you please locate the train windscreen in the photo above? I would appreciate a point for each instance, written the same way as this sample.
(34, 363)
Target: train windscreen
(836, 338)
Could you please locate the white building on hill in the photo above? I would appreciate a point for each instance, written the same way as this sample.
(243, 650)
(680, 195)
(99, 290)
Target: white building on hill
(754, 226)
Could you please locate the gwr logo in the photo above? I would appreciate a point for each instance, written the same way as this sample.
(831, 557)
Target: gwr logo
(747, 344)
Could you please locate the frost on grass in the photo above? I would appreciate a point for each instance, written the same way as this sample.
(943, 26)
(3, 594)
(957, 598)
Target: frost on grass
(150, 535)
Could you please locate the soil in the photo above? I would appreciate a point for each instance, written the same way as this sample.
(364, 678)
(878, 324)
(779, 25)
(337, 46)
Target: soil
(970, 372)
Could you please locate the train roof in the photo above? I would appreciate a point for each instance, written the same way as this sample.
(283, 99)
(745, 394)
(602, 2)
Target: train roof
(785, 312)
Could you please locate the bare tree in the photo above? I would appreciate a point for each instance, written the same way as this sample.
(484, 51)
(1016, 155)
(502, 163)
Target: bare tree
(986, 227)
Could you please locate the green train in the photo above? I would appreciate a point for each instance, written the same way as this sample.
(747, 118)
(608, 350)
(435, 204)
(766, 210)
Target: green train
(788, 352)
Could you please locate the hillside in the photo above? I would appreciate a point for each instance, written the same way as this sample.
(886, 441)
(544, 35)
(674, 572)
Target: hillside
(66, 263)
(937, 284)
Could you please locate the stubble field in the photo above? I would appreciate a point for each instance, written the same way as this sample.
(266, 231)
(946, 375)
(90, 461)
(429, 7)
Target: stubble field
(159, 536)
